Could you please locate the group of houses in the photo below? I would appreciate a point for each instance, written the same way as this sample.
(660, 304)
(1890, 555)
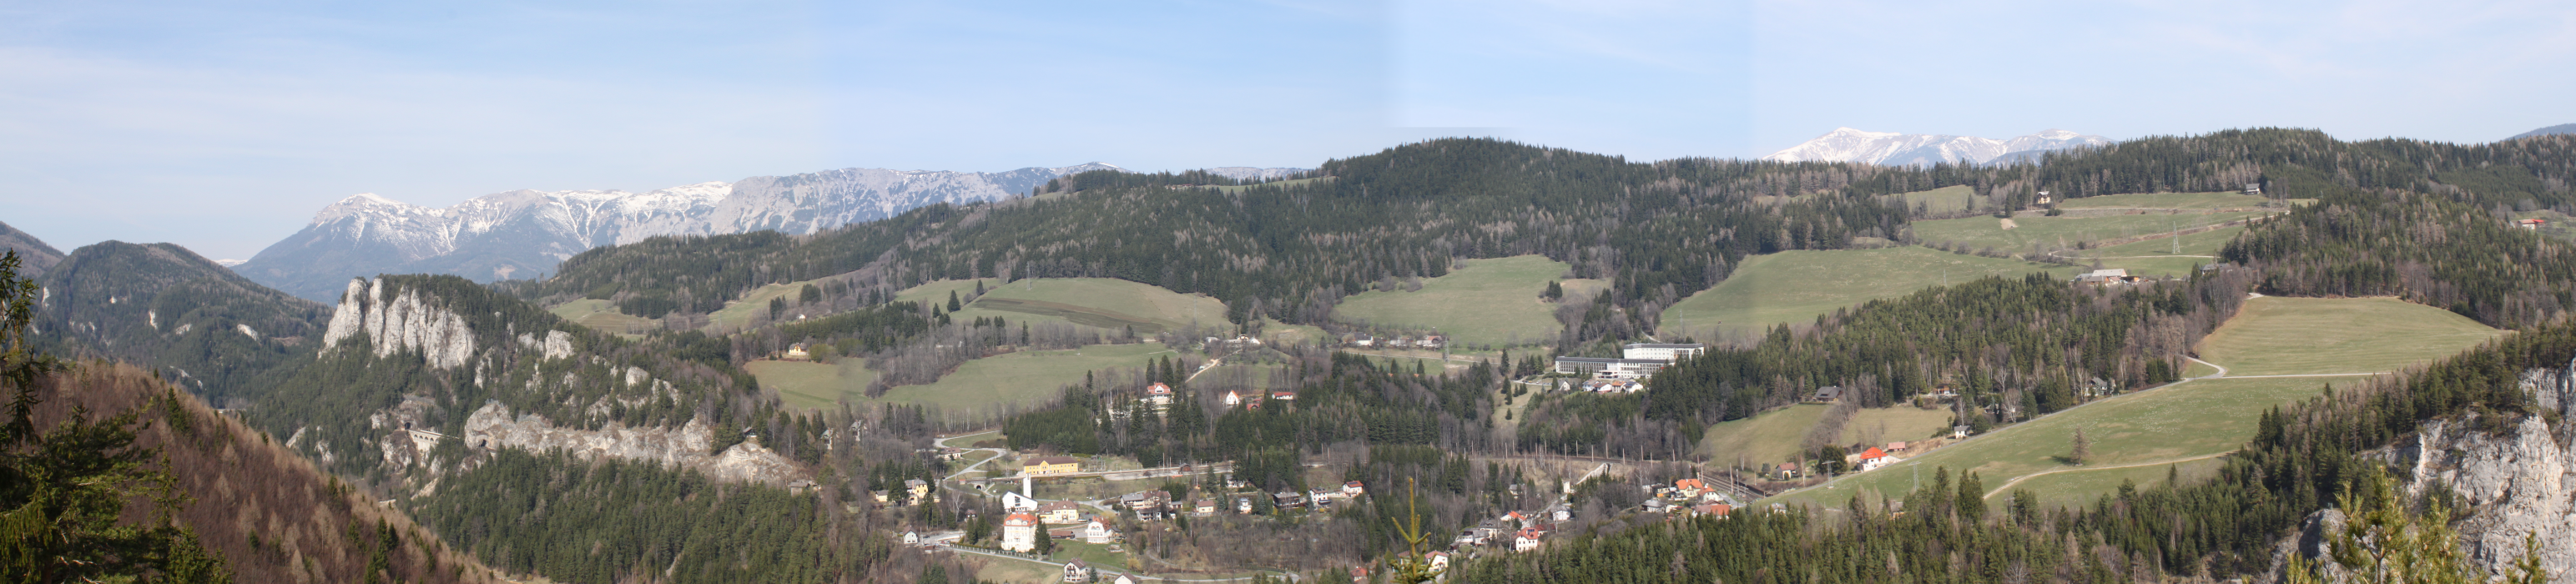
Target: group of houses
(1423, 342)
(1251, 399)
(914, 492)
(1686, 498)
(1635, 361)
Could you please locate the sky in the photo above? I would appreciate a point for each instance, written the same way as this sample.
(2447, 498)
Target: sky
(223, 126)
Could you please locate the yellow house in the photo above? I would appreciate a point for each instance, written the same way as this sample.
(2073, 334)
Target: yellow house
(1051, 465)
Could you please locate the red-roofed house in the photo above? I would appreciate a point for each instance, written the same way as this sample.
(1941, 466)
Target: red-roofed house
(1873, 458)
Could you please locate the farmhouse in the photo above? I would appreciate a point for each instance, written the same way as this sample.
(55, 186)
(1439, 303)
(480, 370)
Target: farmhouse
(2531, 223)
(1159, 395)
(796, 352)
(1051, 465)
(1353, 489)
(1020, 533)
(1827, 394)
(1872, 458)
(1527, 539)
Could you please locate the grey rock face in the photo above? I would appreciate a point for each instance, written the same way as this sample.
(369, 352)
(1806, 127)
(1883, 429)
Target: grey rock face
(2517, 482)
(685, 447)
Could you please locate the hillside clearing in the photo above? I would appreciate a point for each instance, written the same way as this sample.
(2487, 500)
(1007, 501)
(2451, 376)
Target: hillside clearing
(2066, 231)
(994, 384)
(603, 316)
(2269, 336)
(2274, 335)
(1483, 302)
(2166, 201)
(1096, 302)
(1797, 286)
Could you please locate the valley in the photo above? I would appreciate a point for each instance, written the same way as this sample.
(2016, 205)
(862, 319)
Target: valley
(1536, 353)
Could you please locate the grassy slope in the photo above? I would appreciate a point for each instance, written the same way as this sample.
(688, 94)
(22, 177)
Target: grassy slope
(603, 316)
(2290, 336)
(2165, 201)
(1098, 302)
(737, 314)
(1981, 232)
(1488, 301)
(813, 385)
(1018, 378)
(1766, 438)
(1797, 286)
(2156, 257)
(1949, 199)
(2272, 336)
(1772, 437)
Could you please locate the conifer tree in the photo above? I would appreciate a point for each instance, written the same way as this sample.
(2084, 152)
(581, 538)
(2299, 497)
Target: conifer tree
(63, 490)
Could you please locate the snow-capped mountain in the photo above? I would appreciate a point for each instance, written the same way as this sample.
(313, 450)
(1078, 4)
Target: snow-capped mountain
(1896, 149)
(1255, 174)
(524, 233)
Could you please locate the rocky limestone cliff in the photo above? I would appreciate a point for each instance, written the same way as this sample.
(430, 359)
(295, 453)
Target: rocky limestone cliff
(495, 427)
(2516, 481)
(403, 323)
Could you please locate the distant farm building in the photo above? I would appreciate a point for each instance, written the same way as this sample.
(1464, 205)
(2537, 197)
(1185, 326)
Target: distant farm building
(1052, 465)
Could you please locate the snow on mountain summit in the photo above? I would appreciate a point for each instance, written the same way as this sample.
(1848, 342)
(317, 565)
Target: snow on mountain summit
(524, 233)
(1899, 149)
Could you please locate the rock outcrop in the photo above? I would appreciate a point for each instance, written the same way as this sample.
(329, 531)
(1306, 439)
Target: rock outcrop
(405, 322)
(494, 426)
(2517, 480)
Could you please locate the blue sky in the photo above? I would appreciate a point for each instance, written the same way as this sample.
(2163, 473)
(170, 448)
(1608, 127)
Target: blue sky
(224, 126)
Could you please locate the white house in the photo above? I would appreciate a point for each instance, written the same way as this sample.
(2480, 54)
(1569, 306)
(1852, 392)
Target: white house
(1020, 533)
(1098, 531)
(1159, 395)
(1527, 539)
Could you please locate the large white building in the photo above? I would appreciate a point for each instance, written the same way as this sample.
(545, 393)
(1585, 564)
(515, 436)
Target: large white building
(1636, 360)
(1608, 367)
(1020, 533)
(1666, 352)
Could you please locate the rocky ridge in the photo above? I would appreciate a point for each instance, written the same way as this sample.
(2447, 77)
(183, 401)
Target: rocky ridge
(524, 233)
(2516, 481)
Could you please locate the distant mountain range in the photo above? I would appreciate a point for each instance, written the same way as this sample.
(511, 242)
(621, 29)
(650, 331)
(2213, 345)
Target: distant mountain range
(2557, 129)
(522, 234)
(34, 255)
(1895, 149)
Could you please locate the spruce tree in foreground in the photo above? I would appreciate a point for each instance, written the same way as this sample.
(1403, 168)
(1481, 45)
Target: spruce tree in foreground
(63, 489)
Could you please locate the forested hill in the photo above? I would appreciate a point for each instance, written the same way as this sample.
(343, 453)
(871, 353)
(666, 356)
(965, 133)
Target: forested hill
(1657, 230)
(266, 512)
(429, 352)
(1291, 250)
(159, 304)
(34, 254)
